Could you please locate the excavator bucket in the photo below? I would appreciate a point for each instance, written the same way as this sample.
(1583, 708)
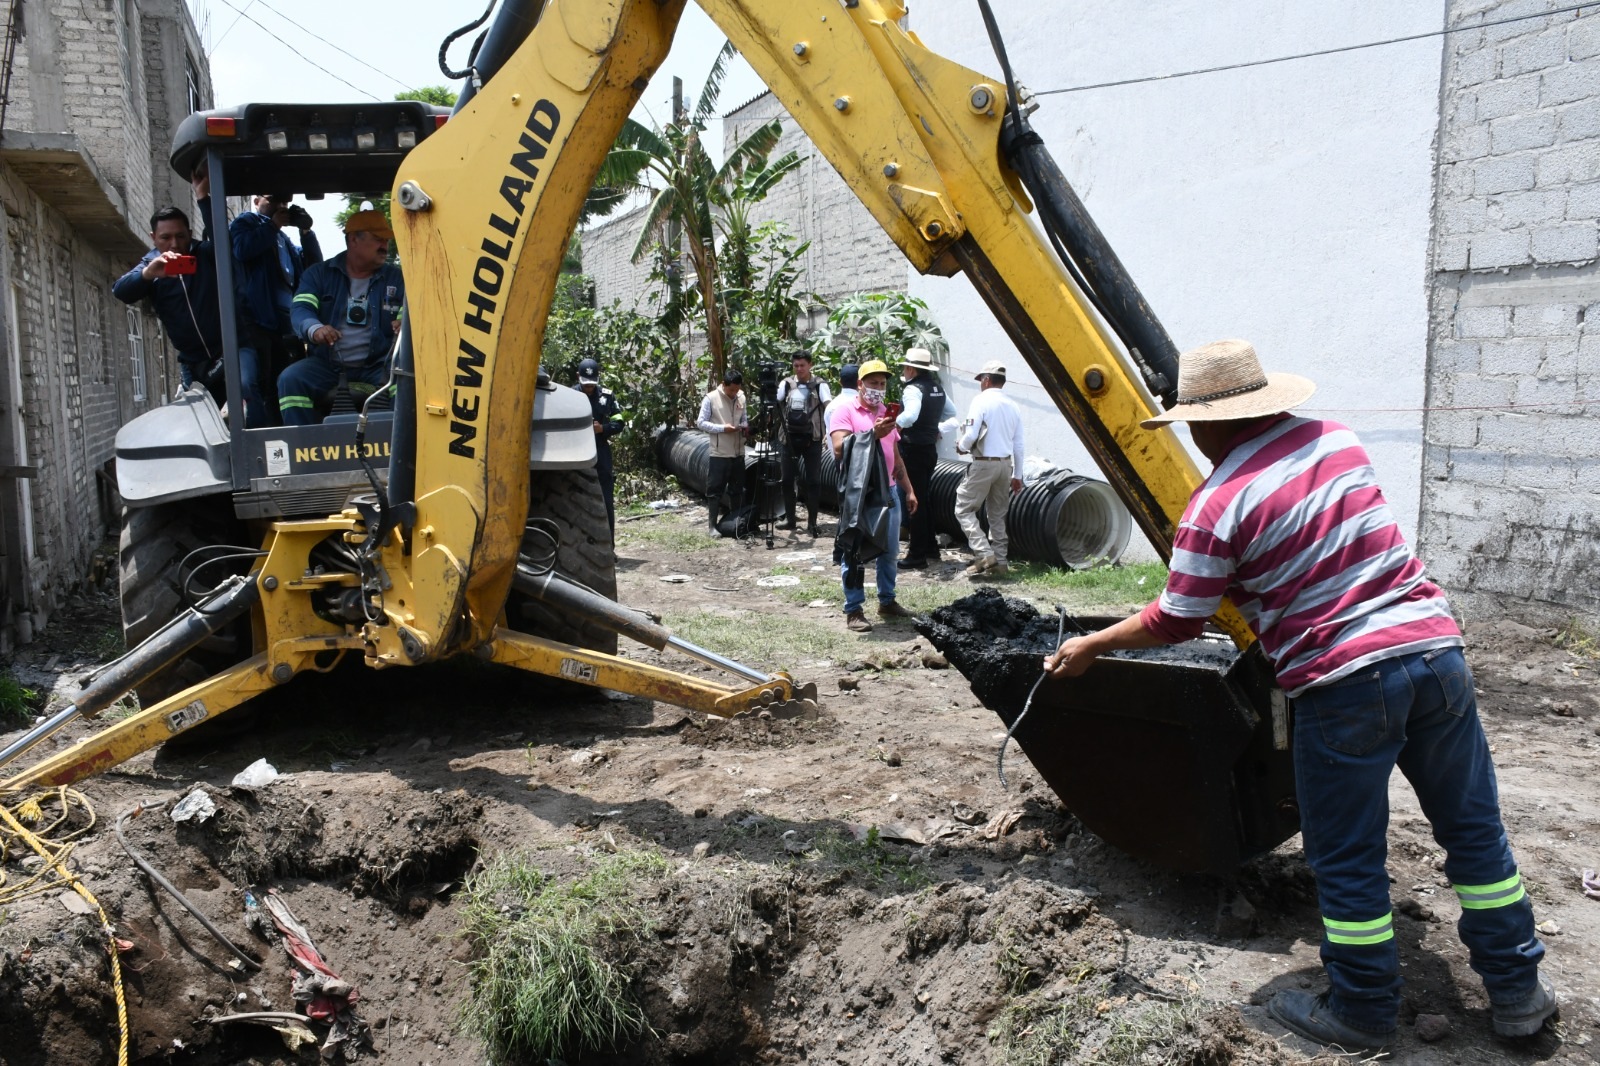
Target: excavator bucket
(1178, 756)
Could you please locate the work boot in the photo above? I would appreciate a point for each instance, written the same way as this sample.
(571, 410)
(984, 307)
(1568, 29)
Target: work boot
(892, 609)
(981, 565)
(999, 569)
(788, 523)
(1525, 1016)
(856, 622)
(913, 562)
(1309, 1016)
(811, 526)
(711, 520)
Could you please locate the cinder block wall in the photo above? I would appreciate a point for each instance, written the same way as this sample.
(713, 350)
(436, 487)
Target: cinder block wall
(1511, 477)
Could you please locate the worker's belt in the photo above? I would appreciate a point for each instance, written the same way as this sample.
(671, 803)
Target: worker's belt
(991, 458)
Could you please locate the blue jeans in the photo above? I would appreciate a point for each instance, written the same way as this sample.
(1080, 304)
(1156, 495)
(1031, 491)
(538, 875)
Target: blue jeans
(256, 411)
(1417, 712)
(854, 578)
(304, 384)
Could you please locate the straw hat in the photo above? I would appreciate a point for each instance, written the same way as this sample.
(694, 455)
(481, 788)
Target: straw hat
(1223, 380)
(920, 358)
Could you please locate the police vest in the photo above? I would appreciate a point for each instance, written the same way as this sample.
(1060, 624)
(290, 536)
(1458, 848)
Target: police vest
(925, 430)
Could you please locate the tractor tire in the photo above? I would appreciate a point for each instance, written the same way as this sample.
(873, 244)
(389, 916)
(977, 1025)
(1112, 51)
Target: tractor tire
(574, 501)
(154, 545)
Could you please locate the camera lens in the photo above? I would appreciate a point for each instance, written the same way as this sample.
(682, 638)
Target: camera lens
(356, 313)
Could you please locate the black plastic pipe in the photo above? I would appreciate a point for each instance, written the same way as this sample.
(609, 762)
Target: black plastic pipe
(1062, 520)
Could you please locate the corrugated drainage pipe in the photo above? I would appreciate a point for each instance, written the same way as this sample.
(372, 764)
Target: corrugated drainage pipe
(1063, 519)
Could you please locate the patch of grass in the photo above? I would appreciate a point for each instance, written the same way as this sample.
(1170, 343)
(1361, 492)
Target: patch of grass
(669, 533)
(1131, 585)
(1578, 639)
(1093, 1025)
(776, 643)
(867, 859)
(545, 982)
(18, 702)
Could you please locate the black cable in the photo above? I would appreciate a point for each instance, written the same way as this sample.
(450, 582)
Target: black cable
(444, 49)
(1000, 758)
(1321, 52)
(299, 53)
(227, 551)
(171, 889)
(317, 36)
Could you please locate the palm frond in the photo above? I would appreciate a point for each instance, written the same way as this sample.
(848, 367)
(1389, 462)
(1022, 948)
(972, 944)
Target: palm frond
(660, 210)
(705, 108)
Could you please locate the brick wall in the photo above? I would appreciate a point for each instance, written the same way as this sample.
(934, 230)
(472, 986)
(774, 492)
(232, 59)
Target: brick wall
(849, 251)
(606, 251)
(1511, 512)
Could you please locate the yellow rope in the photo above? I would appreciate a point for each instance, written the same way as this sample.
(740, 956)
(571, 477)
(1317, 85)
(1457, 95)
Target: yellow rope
(54, 853)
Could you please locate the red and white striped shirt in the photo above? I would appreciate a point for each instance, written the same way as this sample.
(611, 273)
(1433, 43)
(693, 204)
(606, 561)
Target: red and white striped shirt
(1293, 528)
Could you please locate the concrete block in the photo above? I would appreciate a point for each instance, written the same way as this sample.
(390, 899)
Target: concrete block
(1534, 207)
(1455, 180)
(1583, 201)
(1542, 473)
(1535, 51)
(1579, 121)
(1491, 250)
(1512, 432)
(1470, 141)
(1452, 253)
(1578, 80)
(1569, 164)
(1520, 357)
(1571, 242)
(1583, 39)
(1473, 67)
(1516, 133)
(1502, 174)
(1452, 357)
(1451, 429)
(1472, 390)
(1476, 322)
(1513, 96)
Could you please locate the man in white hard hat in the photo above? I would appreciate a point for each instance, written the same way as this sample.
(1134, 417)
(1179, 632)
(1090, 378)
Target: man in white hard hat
(1293, 528)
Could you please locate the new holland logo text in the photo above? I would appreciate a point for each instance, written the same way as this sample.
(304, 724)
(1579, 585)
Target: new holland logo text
(489, 275)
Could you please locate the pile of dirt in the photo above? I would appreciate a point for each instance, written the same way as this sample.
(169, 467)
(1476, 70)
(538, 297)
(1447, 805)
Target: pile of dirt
(847, 886)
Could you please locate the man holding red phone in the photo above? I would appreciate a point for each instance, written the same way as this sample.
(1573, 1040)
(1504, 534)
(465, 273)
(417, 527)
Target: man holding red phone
(179, 277)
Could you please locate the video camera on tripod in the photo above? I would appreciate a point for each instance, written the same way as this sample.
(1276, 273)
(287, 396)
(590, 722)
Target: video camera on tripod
(756, 511)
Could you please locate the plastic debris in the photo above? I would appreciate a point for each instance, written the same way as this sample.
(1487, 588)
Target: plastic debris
(1591, 884)
(197, 805)
(258, 774)
(777, 581)
(668, 504)
(796, 557)
(75, 903)
(676, 579)
(326, 996)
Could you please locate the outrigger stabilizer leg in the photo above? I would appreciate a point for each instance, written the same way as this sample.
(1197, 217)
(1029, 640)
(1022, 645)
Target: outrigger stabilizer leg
(232, 599)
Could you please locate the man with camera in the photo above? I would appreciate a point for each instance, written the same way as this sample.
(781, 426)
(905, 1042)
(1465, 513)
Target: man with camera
(802, 398)
(347, 311)
(179, 275)
(724, 419)
(268, 269)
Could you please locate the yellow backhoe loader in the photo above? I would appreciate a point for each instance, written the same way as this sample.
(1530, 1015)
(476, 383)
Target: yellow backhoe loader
(441, 557)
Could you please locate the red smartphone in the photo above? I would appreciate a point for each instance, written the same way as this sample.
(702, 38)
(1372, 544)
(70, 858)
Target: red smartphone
(894, 410)
(180, 264)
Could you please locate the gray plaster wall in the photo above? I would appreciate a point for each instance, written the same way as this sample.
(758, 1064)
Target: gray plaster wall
(1511, 464)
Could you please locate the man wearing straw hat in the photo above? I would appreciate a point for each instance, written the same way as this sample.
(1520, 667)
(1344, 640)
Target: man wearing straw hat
(1294, 529)
(920, 423)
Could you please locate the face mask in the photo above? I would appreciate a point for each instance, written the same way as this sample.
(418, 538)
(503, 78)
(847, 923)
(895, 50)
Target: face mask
(872, 397)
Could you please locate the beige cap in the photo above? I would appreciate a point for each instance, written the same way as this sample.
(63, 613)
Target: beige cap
(993, 366)
(1223, 380)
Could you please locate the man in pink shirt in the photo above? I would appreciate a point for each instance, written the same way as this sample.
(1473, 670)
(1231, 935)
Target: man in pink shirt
(1293, 528)
(866, 412)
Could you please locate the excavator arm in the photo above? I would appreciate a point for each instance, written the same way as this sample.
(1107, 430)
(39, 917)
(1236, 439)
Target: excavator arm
(487, 204)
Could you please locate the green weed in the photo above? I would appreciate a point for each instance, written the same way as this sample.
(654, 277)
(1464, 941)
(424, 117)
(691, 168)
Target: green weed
(669, 533)
(18, 703)
(1093, 1025)
(867, 859)
(777, 643)
(1578, 639)
(545, 980)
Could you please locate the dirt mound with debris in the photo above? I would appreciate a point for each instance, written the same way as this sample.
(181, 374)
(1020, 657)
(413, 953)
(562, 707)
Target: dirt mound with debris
(848, 886)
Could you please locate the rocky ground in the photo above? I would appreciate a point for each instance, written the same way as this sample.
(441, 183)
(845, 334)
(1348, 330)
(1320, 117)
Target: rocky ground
(848, 886)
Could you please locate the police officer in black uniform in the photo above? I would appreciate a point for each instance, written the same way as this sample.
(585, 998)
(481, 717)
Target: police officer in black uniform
(925, 406)
(607, 424)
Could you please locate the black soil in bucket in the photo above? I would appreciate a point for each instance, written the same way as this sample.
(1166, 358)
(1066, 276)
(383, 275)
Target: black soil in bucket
(1176, 755)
